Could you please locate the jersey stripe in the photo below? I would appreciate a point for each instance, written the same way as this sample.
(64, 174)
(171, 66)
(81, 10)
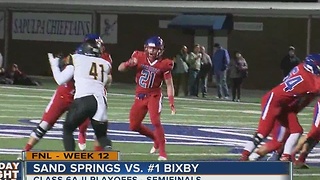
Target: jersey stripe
(316, 119)
(267, 106)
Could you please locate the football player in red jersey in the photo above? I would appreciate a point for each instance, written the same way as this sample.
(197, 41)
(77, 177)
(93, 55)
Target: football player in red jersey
(59, 104)
(283, 138)
(151, 71)
(280, 104)
(307, 142)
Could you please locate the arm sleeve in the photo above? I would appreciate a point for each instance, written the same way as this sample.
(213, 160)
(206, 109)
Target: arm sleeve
(62, 76)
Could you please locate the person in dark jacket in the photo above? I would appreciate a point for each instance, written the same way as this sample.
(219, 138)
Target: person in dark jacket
(220, 61)
(238, 71)
(289, 61)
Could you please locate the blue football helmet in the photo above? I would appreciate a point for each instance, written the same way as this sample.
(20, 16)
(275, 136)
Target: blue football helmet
(90, 37)
(154, 47)
(90, 48)
(95, 37)
(312, 63)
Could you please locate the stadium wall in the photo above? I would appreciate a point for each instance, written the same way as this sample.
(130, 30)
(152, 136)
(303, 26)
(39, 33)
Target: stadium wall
(262, 49)
(133, 29)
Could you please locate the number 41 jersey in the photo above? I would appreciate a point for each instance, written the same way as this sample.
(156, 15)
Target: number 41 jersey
(298, 84)
(90, 75)
(150, 75)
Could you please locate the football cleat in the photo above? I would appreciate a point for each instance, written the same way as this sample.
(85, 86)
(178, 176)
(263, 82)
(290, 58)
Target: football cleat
(82, 147)
(108, 148)
(244, 158)
(285, 157)
(274, 157)
(19, 158)
(161, 158)
(254, 157)
(153, 150)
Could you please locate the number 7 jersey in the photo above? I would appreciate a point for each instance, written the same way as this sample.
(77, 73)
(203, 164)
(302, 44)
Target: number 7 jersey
(150, 75)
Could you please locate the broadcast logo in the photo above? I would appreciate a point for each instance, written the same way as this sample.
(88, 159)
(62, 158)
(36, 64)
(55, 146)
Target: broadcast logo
(10, 170)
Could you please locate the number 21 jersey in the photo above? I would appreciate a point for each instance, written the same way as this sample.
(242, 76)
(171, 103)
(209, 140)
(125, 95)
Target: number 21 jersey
(150, 75)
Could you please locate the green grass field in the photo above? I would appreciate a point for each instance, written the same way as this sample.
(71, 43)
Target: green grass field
(188, 142)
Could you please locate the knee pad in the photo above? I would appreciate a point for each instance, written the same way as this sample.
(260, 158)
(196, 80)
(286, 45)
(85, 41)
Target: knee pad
(257, 138)
(41, 130)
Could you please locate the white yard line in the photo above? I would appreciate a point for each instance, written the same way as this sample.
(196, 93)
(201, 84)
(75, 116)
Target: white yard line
(24, 96)
(127, 95)
(21, 117)
(204, 123)
(306, 175)
(185, 108)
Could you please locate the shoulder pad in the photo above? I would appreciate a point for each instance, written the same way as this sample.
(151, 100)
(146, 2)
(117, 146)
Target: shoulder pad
(107, 57)
(110, 59)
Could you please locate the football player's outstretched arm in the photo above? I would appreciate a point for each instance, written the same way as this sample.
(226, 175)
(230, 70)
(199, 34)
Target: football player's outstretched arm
(170, 91)
(61, 76)
(127, 64)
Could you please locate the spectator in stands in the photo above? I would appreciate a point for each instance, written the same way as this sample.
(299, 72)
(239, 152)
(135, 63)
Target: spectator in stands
(180, 71)
(220, 61)
(206, 65)
(194, 61)
(238, 71)
(289, 61)
(3, 78)
(20, 78)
